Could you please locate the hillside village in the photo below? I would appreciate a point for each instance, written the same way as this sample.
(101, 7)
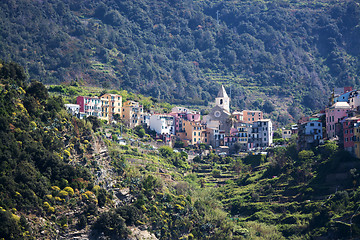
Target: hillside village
(173, 194)
(244, 130)
(221, 129)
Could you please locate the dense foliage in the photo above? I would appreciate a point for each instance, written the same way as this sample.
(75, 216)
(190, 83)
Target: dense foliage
(176, 50)
(49, 168)
(34, 172)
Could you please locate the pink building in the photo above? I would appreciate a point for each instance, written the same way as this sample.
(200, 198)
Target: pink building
(348, 133)
(90, 106)
(181, 114)
(333, 114)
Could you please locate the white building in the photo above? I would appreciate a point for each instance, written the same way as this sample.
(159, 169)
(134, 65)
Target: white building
(261, 135)
(286, 133)
(222, 100)
(162, 124)
(73, 109)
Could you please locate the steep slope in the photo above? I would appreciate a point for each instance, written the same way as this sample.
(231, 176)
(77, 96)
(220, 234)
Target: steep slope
(181, 50)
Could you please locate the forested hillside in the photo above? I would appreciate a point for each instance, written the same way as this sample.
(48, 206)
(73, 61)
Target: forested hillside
(65, 178)
(264, 52)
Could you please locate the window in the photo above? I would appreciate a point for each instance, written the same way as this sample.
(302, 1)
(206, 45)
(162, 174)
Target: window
(194, 140)
(221, 101)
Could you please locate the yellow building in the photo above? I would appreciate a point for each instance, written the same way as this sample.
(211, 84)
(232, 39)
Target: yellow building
(195, 133)
(357, 139)
(111, 104)
(132, 113)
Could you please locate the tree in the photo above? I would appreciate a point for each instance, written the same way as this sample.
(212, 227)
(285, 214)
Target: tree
(101, 197)
(112, 225)
(38, 91)
(9, 228)
(306, 155)
(268, 107)
(94, 121)
(140, 131)
(166, 152)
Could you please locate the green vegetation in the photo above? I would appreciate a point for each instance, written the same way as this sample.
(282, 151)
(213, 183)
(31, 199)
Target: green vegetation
(34, 156)
(60, 175)
(274, 54)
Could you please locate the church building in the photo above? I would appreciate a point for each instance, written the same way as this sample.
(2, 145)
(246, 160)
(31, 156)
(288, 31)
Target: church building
(219, 116)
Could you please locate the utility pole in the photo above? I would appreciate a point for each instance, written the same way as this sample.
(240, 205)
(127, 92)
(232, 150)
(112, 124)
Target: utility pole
(217, 17)
(230, 94)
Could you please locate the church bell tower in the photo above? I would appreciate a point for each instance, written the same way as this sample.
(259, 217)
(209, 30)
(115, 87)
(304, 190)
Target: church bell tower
(222, 100)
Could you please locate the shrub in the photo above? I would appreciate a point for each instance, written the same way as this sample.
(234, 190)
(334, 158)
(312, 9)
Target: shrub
(69, 190)
(216, 173)
(166, 152)
(112, 225)
(63, 193)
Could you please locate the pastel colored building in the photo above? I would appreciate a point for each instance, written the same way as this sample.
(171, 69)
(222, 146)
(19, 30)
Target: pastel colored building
(182, 114)
(342, 94)
(132, 114)
(286, 133)
(335, 113)
(111, 104)
(357, 139)
(238, 135)
(238, 116)
(216, 136)
(348, 125)
(261, 135)
(252, 116)
(162, 124)
(195, 133)
(73, 109)
(310, 134)
(89, 106)
(248, 116)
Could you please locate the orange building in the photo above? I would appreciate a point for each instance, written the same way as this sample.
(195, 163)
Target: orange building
(252, 116)
(132, 114)
(111, 104)
(193, 133)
